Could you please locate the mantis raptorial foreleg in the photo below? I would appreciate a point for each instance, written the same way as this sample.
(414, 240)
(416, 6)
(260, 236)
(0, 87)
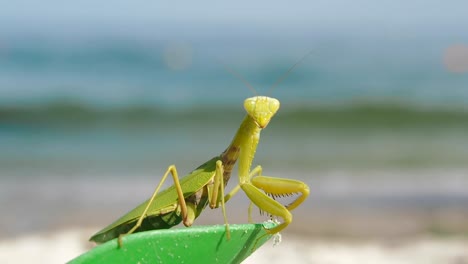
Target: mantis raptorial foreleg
(258, 188)
(272, 186)
(267, 204)
(256, 171)
(183, 207)
(281, 186)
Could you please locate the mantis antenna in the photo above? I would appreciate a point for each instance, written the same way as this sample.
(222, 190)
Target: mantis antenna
(239, 76)
(282, 77)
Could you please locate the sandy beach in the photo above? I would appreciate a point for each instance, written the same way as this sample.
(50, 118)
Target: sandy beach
(62, 246)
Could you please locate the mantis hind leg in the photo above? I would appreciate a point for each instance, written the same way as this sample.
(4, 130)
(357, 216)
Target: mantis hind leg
(170, 170)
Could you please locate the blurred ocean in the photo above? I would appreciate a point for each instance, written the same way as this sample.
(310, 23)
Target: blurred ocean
(373, 123)
(115, 103)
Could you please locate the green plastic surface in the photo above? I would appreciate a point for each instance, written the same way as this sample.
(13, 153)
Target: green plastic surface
(198, 244)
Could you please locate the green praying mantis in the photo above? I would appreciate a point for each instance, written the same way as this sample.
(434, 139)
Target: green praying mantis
(188, 197)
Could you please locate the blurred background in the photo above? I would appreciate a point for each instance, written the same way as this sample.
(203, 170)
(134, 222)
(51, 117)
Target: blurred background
(96, 100)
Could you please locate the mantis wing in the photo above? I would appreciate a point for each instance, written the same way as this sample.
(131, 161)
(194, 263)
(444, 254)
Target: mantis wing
(166, 201)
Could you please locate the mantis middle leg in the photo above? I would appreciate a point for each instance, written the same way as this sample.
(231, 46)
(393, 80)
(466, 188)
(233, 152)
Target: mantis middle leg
(216, 194)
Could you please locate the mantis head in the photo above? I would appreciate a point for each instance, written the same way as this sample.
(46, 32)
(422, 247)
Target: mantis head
(261, 109)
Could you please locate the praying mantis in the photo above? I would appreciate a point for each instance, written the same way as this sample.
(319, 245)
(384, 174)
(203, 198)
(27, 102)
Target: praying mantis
(188, 197)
